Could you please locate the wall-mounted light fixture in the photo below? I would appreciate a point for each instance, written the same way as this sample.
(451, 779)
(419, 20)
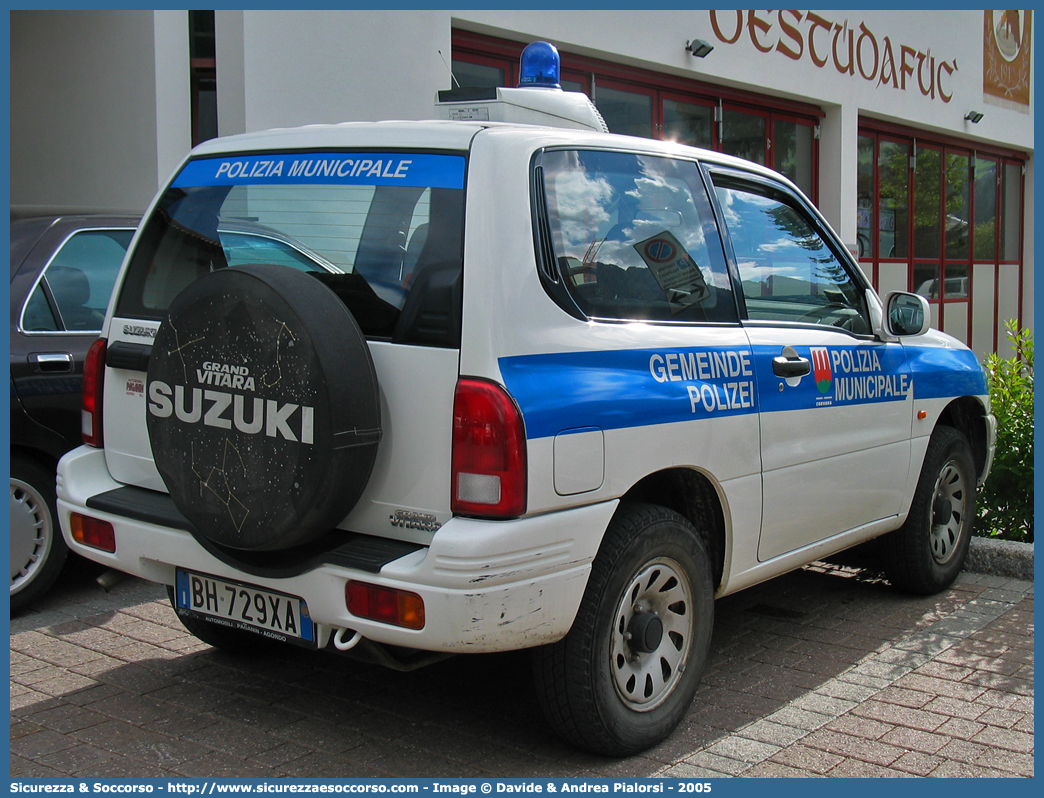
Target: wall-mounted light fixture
(699, 48)
(974, 117)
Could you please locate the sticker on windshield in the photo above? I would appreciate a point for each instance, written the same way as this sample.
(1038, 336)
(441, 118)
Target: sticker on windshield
(326, 168)
(675, 270)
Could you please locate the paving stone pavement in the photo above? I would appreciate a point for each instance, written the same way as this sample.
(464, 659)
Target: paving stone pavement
(826, 671)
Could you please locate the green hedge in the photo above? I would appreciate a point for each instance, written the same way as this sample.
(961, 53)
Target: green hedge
(1006, 500)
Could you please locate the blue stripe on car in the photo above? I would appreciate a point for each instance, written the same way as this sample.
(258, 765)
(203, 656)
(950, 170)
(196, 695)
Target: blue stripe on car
(942, 373)
(619, 389)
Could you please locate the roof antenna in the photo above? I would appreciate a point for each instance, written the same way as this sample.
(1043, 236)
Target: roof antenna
(448, 69)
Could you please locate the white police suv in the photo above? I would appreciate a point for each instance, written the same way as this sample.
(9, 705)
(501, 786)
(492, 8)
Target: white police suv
(505, 381)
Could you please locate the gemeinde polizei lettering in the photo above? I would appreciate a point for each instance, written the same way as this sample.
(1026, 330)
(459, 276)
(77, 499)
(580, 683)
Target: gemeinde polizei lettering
(248, 415)
(719, 377)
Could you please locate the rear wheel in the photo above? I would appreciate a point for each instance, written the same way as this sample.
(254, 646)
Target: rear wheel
(927, 552)
(38, 550)
(624, 676)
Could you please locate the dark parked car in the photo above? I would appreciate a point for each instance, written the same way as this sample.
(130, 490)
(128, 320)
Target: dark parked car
(63, 266)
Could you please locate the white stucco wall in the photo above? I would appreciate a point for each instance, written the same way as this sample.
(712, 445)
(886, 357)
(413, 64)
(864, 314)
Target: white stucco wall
(173, 110)
(288, 68)
(96, 117)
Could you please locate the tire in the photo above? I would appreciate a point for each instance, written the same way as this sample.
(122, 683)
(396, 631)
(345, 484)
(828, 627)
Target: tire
(927, 552)
(231, 641)
(38, 550)
(263, 408)
(623, 677)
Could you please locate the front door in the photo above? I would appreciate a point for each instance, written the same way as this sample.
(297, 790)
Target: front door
(836, 403)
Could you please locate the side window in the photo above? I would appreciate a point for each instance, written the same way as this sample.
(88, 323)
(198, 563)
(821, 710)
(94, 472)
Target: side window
(80, 278)
(634, 237)
(38, 316)
(787, 271)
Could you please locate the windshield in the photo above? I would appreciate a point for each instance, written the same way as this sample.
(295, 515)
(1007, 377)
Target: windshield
(373, 226)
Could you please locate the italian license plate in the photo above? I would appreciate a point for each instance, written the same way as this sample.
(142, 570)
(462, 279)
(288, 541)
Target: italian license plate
(238, 605)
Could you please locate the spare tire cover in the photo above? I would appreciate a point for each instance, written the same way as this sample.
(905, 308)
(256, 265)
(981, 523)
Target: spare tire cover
(263, 409)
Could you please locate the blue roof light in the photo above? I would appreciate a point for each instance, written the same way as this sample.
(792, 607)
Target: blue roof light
(540, 67)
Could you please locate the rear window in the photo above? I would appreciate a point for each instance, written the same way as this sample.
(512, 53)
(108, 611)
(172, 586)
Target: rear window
(383, 230)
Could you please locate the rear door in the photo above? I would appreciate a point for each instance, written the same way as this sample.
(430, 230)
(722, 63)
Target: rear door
(381, 229)
(836, 403)
(59, 296)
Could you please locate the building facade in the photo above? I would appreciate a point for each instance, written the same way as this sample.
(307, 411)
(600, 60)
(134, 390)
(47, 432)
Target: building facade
(912, 131)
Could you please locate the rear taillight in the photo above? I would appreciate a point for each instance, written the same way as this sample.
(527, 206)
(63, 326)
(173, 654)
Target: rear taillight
(93, 386)
(489, 452)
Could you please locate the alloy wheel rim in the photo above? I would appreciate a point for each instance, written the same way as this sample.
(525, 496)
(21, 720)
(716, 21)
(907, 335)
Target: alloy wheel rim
(31, 532)
(946, 532)
(645, 679)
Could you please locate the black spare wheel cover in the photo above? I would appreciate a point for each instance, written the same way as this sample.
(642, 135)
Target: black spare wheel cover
(263, 410)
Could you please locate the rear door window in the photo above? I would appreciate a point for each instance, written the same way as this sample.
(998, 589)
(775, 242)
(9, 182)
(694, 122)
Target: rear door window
(75, 288)
(634, 237)
(376, 227)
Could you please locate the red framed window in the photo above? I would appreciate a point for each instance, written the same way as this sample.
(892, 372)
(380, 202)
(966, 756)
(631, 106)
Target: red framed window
(947, 215)
(778, 133)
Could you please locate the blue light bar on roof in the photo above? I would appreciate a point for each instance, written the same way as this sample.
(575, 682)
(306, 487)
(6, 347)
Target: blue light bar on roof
(540, 67)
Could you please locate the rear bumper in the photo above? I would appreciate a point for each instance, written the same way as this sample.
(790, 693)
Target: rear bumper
(486, 585)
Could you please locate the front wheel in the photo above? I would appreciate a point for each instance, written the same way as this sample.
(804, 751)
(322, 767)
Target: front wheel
(927, 552)
(624, 676)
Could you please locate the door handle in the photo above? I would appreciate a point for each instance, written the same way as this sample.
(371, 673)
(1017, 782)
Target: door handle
(791, 364)
(51, 362)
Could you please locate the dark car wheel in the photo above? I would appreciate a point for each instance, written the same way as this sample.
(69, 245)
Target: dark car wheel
(624, 676)
(927, 552)
(37, 548)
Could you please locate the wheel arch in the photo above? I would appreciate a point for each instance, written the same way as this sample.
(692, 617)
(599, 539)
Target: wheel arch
(32, 439)
(39, 457)
(967, 415)
(693, 495)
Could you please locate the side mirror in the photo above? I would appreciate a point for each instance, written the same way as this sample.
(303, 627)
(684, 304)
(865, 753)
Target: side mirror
(907, 314)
